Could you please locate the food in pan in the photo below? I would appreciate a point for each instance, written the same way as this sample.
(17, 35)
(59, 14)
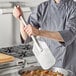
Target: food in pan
(41, 73)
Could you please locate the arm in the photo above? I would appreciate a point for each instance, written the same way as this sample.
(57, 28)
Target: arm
(31, 30)
(23, 33)
(17, 12)
(35, 18)
(51, 35)
(68, 35)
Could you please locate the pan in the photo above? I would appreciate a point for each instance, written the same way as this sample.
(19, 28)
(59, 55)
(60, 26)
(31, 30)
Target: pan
(54, 69)
(62, 71)
(41, 51)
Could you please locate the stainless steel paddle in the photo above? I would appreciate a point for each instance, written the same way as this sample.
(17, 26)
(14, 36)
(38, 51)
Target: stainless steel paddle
(41, 51)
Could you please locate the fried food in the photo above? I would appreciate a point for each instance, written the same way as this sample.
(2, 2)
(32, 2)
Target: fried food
(41, 73)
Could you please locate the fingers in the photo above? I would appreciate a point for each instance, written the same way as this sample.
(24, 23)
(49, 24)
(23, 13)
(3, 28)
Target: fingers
(17, 12)
(29, 30)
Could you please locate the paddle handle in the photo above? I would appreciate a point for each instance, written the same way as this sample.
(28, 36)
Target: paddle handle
(33, 38)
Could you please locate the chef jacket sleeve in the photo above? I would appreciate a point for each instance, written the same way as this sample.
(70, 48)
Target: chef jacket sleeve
(69, 33)
(35, 19)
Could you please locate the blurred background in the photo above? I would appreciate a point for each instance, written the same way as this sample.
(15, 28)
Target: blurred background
(9, 26)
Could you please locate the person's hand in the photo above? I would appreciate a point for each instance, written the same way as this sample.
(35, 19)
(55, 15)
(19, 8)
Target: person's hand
(30, 30)
(17, 12)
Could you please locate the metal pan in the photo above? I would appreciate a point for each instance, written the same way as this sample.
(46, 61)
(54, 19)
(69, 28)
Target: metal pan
(62, 71)
(54, 69)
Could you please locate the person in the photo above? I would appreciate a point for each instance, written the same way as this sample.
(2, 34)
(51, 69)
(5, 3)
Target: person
(54, 21)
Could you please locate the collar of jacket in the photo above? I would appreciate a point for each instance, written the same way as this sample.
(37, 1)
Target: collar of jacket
(59, 5)
(61, 1)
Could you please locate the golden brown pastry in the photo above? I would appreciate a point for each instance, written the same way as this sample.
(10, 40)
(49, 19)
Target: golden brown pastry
(41, 73)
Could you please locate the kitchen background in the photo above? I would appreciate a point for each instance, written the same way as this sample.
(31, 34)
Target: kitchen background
(9, 26)
(10, 36)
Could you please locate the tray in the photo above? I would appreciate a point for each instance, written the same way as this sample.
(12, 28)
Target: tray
(55, 69)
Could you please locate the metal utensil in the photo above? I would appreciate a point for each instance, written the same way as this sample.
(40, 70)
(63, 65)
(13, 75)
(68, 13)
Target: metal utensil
(41, 51)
